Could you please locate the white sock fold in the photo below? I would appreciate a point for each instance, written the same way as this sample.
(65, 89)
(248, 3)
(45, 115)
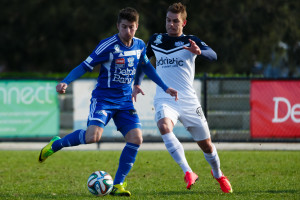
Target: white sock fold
(176, 150)
(214, 161)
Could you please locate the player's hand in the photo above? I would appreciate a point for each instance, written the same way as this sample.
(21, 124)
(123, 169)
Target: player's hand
(173, 93)
(193, 48)
(61, 88)
(136, 90)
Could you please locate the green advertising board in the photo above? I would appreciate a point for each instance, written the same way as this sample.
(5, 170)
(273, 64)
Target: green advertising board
(28, 108)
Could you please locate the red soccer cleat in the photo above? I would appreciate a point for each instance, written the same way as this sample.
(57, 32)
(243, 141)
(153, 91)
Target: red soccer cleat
(190, 178)
(224, 183)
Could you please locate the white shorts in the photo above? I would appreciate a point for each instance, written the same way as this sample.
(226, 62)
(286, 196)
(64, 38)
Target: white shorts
(187, 111)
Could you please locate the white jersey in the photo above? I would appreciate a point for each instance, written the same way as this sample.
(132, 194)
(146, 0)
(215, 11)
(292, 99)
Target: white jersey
(175, 65)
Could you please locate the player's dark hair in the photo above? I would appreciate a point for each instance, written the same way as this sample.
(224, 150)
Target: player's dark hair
(129, 14)
(178, 8)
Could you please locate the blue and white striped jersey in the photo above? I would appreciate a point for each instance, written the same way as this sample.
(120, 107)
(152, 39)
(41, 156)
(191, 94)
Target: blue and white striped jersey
(175, 65)
(118, 67)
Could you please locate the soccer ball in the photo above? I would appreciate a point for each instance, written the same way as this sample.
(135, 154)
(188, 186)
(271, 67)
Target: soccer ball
(100, 183)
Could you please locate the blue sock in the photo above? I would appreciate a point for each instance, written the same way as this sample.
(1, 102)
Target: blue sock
(127, 159)
(72, 139)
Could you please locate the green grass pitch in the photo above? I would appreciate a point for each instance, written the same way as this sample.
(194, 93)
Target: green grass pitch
(253, 175)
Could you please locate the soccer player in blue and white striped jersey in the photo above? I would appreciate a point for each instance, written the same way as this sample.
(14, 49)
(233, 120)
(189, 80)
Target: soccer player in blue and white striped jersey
(119, 56)
(175, 55)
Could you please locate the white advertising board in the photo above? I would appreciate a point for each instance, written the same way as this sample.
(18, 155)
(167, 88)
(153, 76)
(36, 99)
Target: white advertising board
(82, 90)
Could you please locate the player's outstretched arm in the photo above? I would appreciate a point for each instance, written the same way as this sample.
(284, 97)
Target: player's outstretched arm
(73, 75)
(136, 90)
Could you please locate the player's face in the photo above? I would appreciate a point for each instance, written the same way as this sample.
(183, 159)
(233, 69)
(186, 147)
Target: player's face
(174, 24)
(127, 30)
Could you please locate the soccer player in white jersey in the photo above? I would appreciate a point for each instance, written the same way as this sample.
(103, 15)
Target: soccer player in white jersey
(119, 56)
(175, 63)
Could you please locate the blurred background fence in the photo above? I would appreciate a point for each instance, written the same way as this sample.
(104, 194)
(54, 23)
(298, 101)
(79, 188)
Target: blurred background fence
(225, 102)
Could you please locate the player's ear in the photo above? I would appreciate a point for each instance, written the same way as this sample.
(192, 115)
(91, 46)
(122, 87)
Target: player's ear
(184, 23)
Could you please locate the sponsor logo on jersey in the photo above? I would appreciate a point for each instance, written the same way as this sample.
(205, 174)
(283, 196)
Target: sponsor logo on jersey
(131, 53)
(130, 61)
(117, 49)
(122, 79)
(122, 75)
(120, 61)
(125, 72)
(168, 62)
(158, 40)
(179, 43)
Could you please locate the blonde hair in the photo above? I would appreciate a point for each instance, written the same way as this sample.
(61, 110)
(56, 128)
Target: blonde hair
(178, 8)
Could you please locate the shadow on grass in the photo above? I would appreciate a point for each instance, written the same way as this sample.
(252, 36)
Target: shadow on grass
(173, 193)
(177, 193)
(283, 191)
(269, 192)
(45, 196)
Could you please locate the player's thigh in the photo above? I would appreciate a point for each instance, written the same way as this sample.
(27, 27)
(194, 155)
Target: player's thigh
(193, 119)
(199, 133)
(165, 125)
(191, 114)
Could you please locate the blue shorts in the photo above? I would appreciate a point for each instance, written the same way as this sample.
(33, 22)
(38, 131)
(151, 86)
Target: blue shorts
(125, 120)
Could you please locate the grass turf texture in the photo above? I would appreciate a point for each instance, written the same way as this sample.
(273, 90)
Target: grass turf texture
(253, 175)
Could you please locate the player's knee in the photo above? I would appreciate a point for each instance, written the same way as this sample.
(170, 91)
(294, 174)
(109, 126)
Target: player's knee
(134, 136)
(207, 148)
(164, 128)
(93, 137)
(96, 138)
(138, 139)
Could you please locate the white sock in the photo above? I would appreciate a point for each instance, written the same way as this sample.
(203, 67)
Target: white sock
(176, 150)
(214, 161)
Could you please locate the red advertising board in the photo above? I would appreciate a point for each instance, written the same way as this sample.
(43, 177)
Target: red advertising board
(275, 109)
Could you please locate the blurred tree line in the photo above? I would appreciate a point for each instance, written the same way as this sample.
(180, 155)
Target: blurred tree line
(57, 35)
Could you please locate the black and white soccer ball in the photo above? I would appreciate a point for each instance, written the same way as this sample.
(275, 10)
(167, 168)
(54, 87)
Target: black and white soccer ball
(100, 183)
